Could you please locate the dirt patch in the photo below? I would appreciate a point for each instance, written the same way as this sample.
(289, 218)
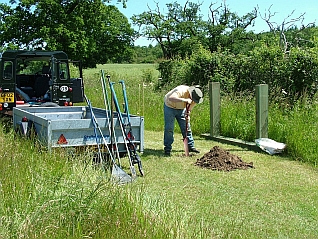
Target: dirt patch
(222, 160)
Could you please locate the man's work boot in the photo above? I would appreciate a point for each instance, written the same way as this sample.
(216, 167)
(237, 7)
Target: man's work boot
(167, 153)
(194, 150)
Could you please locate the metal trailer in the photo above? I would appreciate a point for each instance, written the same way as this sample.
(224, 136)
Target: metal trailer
(57, 127)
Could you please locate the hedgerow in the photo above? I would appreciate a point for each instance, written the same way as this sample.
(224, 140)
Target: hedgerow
(294, 72)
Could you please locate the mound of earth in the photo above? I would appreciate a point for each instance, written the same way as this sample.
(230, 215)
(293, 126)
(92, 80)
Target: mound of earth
(219, 159)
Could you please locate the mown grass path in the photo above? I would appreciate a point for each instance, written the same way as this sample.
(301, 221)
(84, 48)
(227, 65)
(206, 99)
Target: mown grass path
(276, 199)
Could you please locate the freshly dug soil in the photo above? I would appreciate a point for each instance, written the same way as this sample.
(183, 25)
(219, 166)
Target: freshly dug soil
(219, 159)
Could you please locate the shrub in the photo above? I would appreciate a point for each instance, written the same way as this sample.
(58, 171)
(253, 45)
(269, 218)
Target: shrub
(295, 73)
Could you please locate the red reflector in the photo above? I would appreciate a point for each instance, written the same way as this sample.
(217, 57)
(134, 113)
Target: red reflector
(24, 119)
(130, 136)
(62, 140)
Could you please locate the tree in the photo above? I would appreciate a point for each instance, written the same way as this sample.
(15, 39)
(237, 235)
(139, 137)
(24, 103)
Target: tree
(226, 29)
(147, 54)
(171, 29)
(88, 30)
(182, 29)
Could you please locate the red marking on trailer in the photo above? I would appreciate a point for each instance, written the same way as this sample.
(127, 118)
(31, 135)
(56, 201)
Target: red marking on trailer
(62, 140)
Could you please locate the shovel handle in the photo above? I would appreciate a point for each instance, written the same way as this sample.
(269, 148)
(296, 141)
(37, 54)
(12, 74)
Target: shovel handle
(187, 116)
(185, 139)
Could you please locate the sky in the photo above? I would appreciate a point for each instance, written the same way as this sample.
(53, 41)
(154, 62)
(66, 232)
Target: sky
(282, 9)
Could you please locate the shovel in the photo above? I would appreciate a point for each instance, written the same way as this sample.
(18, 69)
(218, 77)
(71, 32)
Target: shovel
(185, 139)
(118, 174)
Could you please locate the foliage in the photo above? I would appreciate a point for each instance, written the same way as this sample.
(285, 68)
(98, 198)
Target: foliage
(225, 29)
(150, 54)
(148, 75)
(171, 29)
(86, 30)
(238, 116)
(295, 73)
(172, 72)
(182, 28)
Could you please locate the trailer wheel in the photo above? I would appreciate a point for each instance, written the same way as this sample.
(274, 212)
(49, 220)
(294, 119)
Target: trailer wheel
(49, 104)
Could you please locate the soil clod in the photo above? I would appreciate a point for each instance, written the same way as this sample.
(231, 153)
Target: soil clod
(221, 160)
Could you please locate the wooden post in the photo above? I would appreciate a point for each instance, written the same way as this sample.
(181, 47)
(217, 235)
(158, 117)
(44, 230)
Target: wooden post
(215, 108)
(262, 111)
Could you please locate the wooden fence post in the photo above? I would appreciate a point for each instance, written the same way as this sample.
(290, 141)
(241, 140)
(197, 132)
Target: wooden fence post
(215, 108)
(262, 111)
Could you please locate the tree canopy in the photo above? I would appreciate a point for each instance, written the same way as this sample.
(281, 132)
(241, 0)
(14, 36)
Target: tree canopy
(182, 27)
(86, 30)
(172, 29)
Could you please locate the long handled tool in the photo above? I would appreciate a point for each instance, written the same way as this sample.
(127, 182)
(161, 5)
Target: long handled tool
(130, 147)
(130, 133)
(118, 175)
(125, 99)
(100, 157)
(185, 137)
(108, 112)
(121, 123)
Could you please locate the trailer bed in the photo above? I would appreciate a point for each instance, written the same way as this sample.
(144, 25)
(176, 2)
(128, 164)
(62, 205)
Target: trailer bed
(73, 127)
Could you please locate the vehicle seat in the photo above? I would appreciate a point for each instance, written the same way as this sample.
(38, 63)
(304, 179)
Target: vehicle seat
(42, 83)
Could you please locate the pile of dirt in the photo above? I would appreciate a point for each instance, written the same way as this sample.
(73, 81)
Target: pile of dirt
(221, 160)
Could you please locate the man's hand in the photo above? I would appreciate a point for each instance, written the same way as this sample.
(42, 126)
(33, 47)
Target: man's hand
(187, 101)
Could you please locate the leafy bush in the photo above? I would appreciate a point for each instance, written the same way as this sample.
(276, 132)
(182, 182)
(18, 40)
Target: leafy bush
(295, 72)
(173, 72)
(148, 75)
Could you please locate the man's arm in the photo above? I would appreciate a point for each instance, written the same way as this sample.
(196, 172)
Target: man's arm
(175, 98)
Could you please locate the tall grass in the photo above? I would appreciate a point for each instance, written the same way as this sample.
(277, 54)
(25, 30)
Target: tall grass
(60, 195)
(297, 127)
(238, 117)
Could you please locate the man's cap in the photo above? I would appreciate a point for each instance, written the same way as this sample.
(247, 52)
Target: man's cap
(196, 94)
